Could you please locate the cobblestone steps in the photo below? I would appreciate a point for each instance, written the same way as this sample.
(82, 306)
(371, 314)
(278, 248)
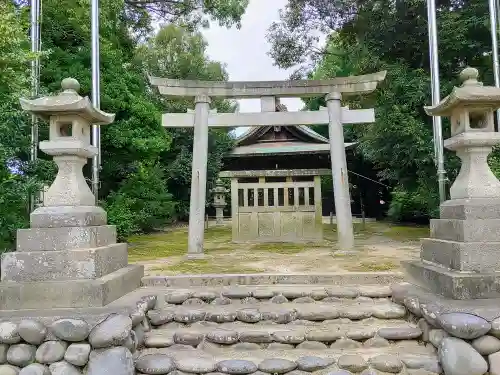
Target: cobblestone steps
(283, 329)
(341, 333)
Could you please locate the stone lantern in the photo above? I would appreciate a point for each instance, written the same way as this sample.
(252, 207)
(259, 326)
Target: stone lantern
(219, 201)
(69, 257)
(461, 258)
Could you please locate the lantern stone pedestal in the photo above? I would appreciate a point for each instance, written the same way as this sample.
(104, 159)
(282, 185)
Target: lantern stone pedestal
(69, 257)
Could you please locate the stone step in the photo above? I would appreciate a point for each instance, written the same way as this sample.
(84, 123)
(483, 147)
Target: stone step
(274, 293)
(277, 312)
(351, 361)
(340, 333)
(260, 279)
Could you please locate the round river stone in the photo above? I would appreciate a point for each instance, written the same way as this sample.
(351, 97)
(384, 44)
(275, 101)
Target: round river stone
(304, 300)
(222, 336)
(21, 354)
(263, 293)
(193, 302)
(154, 364)
(459, 358)
(72, 330)
(114, 331)
(279, 299)
(186, 337)
(220, 315)
(387, 363)
(159, 317)
(312, 345)
(388, 311)
(249, 315)
(352, 362)
(51, 351)
(486, 345)
(400, 333)
(221, 301)
(35, 369)
(311, 363)
(289, 337)
(189, 316)
(237, 292)
(464, 326)
(277, 366)
(196, 364)
(117, 360)
(32, 331)
(177, 297)
(236, 367)
(9, 333)
(78, 354)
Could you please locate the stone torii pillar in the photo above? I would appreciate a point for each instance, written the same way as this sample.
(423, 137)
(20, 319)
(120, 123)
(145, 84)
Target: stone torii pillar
(339, 172)
(196, 231)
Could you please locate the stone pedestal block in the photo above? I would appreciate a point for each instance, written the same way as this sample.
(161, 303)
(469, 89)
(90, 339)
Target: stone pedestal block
(28, 266)
(462, 256)
(70, 293)
(65, 238)
(68, 216)
(471, 209)
(466, 230)
(453, 284)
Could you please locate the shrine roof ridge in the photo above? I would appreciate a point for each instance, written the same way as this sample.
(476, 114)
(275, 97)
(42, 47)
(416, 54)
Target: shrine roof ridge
(351, 85)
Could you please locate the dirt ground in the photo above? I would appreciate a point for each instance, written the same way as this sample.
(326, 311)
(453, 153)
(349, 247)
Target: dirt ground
(379, 247)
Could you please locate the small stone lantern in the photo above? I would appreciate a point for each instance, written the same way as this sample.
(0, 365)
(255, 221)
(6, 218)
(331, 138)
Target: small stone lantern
(219, 201)
(69, 200)
(70, 117)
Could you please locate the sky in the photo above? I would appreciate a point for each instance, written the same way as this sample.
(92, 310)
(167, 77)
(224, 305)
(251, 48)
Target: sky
(244, 51)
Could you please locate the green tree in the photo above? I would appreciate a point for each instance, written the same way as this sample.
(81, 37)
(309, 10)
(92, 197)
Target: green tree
(368, 36)
(176, 52)
(15, 188)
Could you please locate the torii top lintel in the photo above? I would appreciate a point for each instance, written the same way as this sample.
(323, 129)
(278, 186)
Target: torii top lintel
(353, 85)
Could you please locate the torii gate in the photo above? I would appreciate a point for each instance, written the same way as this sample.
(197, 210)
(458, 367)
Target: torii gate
(202, 118)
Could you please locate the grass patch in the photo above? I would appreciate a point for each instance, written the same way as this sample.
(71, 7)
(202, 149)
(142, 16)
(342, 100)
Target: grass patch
(406, 233)
(202, 266)
(371, 266)
(174, 243)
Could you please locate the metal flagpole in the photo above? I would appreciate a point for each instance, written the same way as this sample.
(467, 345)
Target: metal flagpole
(96, 92)
(494, 46)
(35, 78)
(35, 43)
(437, 125)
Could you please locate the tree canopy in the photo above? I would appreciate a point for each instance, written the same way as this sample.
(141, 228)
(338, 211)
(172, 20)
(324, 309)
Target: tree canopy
(145, 172)
(367, 36)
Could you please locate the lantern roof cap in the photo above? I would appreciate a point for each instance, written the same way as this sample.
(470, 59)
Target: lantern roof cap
(67, 102)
